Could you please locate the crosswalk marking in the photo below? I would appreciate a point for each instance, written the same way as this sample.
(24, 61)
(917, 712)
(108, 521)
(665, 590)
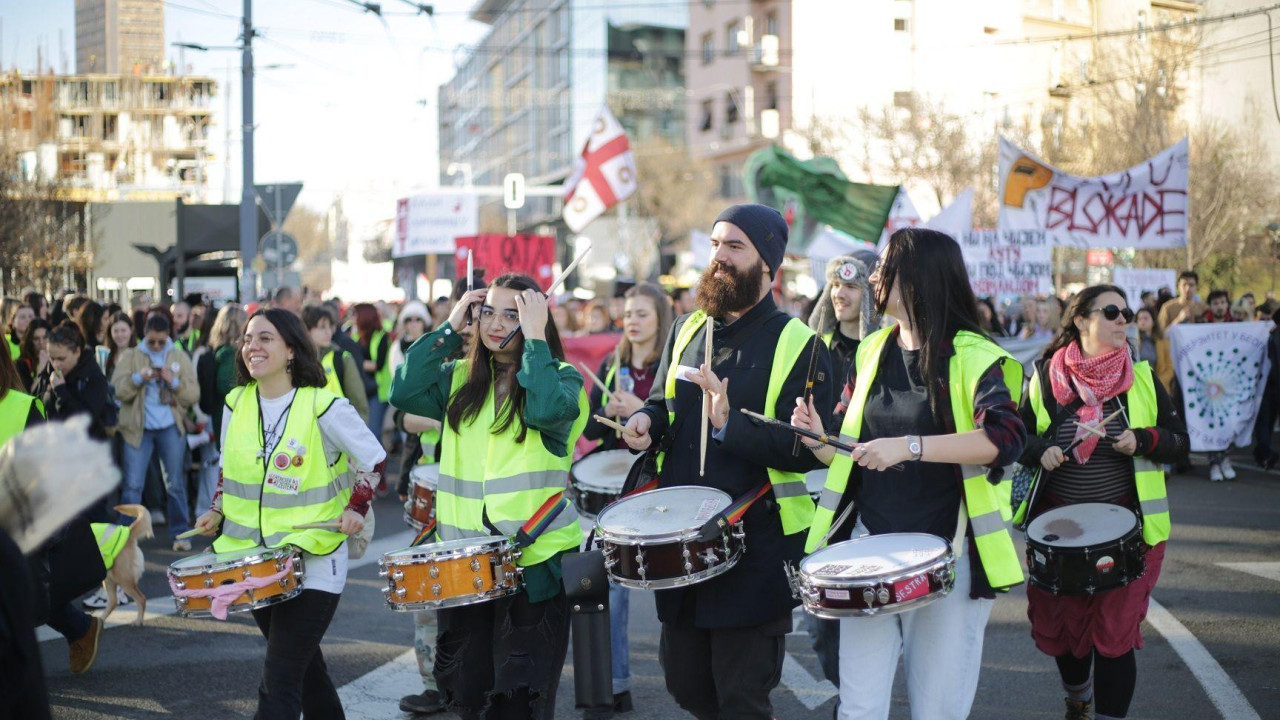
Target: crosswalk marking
(1268, 570)
(1219, 686)
(376, 694)
(810, 691)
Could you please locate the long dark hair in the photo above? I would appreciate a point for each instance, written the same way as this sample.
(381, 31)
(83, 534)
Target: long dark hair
(367, 322)
(465, 405)
(307, 370)
(90, 323)
(1078, 307)
(935, 290)
(29, 353)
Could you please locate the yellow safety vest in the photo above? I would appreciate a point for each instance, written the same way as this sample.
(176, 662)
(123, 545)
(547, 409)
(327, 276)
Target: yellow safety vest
(14, 408)
(383, 376)
(988, 506)
(15, 349)
(111, 540)
(486, 474)
(262, 501)
(1153, 498)
(795, 507)
(331, 382)
(428, 441)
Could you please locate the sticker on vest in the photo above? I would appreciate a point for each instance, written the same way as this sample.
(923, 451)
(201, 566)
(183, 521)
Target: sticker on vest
(293, 444)
(284, 483)
(682, 372)
(281, 461)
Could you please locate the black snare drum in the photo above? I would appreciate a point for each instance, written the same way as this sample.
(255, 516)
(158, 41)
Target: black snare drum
(1085, 549)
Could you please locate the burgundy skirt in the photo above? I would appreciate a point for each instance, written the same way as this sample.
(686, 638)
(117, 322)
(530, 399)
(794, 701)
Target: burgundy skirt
(1109, 622)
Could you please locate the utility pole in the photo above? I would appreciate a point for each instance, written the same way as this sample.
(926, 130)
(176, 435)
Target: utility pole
(248, 207)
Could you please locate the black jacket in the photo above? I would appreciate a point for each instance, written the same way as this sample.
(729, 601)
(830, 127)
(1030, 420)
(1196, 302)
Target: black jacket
(755, 591)
(86, 391)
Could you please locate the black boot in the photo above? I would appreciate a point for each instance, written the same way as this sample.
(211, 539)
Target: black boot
(622, 702)
(428, 702)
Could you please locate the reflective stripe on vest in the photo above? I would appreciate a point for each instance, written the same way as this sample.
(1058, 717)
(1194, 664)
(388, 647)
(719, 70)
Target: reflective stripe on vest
(331, 374)
(795, 506)
(251, 484)
(988, 506)
(15, 407)
(1153, 497)
(483, 474)
(111, 540)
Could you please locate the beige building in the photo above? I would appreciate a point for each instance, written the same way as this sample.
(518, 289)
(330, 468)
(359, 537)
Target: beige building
(119, 36)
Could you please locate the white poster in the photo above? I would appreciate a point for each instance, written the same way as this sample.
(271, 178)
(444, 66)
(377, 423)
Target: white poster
(1143, 207)
(1004, 264)
(902, 214)
(955, 219)
(1222, 369)
(1135, 281)
(427, 224)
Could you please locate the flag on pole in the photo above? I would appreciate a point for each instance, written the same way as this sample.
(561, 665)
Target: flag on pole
(603, 176)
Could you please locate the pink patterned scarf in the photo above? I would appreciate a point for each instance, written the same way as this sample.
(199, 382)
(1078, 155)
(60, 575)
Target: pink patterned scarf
(1093, 380)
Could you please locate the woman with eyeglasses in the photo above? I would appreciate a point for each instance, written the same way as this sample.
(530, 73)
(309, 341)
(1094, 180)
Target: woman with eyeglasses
(510, 417)
(1087, 374)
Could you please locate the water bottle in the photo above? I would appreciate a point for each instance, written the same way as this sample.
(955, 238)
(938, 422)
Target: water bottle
(626, 383)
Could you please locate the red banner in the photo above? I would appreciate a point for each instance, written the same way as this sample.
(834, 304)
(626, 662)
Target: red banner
(531, 255)
(589, 350)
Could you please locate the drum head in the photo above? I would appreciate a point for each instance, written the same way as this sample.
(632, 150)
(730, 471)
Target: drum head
(875, 555)
(1082, 525)
(446, 546)
(427, 476)
(604, 471)
(814, 480)
(662, 514)
(215, 558)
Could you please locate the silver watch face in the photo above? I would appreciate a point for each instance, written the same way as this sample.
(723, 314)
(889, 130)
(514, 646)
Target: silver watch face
(914, 447)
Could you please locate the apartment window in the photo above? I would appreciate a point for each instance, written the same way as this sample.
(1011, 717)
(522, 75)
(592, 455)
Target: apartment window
(1142, 24)
(771, 96)
(730, 109)
(708, 115)
(731, 182)
(899, 24)
(731, 33)
(708, 48)
(771, 24)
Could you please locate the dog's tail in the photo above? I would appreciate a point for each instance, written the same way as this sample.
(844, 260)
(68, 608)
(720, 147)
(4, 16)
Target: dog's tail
(141, 525)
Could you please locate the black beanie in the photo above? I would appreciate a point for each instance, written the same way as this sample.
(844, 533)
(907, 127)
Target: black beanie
(765, 228)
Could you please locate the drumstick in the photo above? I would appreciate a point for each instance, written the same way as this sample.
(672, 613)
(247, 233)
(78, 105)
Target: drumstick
(471, 283)
(1102, 423)
(318, 526)
(707, 349)
(608, 396)
(1093, 431)
(190, 533)
(820, 437)
(616, 426)
(550, 289)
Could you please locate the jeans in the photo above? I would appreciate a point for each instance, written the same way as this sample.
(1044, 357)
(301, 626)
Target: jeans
(620, 646)
(295, 680)
(377, 416)
(68, 621)
(171, 445)
(210, 470)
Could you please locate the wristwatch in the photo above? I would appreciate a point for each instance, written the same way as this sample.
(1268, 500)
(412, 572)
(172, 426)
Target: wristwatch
(914, 447)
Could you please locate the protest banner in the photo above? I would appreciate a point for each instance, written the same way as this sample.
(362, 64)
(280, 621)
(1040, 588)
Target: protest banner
(1003, 264)
(531, 255)
(1135, 281)
(1143, 207)
(1222, 369)
(427, 224)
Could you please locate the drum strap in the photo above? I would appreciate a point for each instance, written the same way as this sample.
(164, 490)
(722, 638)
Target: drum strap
(732, 514)
(962, 526)
(541, 520)
(835, 526)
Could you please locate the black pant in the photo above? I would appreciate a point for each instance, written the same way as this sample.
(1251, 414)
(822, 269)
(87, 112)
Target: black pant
(1114, 680)
(295, 679)
(724, 674)
(1265, 424)
(502, 659)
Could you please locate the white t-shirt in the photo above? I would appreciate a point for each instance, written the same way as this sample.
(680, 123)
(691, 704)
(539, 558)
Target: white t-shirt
(342, 431)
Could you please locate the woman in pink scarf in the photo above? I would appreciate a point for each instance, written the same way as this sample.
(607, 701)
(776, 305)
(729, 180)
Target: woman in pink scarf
(1088, 375)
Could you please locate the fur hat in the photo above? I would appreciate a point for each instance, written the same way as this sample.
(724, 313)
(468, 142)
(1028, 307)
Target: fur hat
(847, 269)
(415, 308)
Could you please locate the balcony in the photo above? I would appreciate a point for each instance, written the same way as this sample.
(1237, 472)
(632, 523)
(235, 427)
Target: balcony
(764, 56)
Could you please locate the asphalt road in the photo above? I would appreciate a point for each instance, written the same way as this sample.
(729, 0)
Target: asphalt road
(1212, 638)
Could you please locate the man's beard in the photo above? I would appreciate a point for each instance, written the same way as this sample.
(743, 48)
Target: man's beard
(735, 291)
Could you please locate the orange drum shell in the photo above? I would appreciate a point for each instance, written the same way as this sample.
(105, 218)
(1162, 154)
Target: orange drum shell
(454, 578)
(262, 568)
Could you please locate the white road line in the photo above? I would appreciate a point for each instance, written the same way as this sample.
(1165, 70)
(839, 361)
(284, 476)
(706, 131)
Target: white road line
(1268, 570)
(376, 694)
(163, 606)
(1220, 688)
(810, 691)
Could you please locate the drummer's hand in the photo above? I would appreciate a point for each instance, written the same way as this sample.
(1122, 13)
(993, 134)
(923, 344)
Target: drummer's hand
(532, 307)
(623, 404)
(806, 416)
(639, 424)
(1052, 458)
(1127, 443)
(207, 523)
(882, 454)
(717, 389)
(458, 317)
(352, 522)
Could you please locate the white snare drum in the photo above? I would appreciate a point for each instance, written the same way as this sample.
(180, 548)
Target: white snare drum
(813, 482)
(451, 573)
(597, 479)
(277, 573)
(650, 540)
(874, 575)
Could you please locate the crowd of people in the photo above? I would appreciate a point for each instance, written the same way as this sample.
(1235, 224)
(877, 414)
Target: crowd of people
(895, 351)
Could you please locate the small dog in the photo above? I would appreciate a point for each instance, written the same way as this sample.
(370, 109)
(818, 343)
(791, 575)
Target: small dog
(126, 571)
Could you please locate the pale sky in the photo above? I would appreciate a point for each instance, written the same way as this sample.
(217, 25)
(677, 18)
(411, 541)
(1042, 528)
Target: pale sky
(344, 119)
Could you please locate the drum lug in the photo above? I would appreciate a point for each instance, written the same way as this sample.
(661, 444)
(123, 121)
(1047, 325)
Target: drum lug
(609, 562)
(246, 574)
(284, 582)
(883, 595)
(179, 584)
(435, 590)
(792, 580)
(182, 602)
(382, 568)
(869, 597)
(738, 530)
(401, 592)
(397, 575)
(477, 582)
(386, 590)
(641, 567)
(433, 571)
(475, 564)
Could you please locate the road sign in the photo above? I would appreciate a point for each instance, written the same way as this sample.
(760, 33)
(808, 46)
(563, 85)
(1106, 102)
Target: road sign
(513, 191)
(276, 200)
(278, 248)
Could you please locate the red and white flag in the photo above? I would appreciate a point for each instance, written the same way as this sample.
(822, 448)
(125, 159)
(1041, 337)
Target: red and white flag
(603, 176)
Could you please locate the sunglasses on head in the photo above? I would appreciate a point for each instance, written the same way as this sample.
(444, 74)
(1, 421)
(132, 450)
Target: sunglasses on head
(1111, 312)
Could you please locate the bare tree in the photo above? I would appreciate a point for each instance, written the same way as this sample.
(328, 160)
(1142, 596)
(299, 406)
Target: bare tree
(42, 239)
(674, 189)
(315, 248)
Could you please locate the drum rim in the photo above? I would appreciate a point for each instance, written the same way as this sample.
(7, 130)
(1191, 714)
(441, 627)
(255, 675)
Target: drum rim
(477, 545)
(841, 613)
(865, 581)
(244, 607)
(251, 559)
(657, 539)
(897, 573)
(1137, 526)
(495, 592)
(575, 479)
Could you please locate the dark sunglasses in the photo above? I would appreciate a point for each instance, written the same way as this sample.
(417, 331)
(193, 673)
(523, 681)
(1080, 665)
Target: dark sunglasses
(1111, 312)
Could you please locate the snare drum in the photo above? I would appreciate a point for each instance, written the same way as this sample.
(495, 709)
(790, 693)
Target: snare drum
(874, 575)
(420, 508)
(451, 573)
(1085, 549)
(596, 480)
(813, 482)
(650, 541)
(190, 577)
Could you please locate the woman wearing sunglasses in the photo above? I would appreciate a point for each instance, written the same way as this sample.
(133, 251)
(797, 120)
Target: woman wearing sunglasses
(1086, 375)
(510, 417)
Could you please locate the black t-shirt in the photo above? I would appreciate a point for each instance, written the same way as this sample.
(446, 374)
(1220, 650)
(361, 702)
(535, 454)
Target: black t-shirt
(919, 497)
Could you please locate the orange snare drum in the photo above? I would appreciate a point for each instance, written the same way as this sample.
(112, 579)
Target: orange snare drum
(196, 579)
(451, 573)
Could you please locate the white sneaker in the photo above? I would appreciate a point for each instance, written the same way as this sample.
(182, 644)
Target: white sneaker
(1215, 472)
(98, 600)
(158, 518)
(1228, 472)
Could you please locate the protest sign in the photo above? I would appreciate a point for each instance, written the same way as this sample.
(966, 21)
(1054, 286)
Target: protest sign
(531, 255)
(427, 224)
(1222, 369)
(1002, 264)
(1135, 281)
